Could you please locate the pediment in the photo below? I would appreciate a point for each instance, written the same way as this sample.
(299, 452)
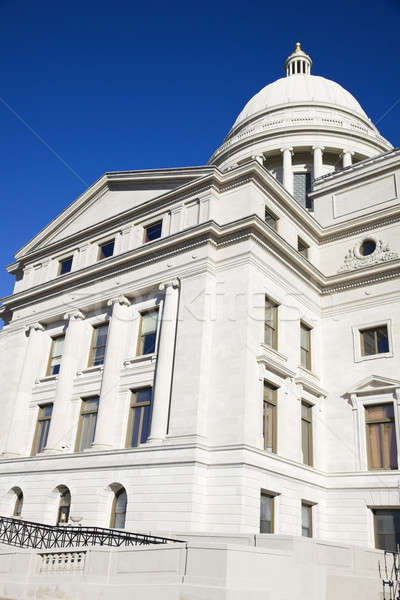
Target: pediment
(374, 383)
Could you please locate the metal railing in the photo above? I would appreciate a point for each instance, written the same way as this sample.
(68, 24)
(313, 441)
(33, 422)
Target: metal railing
(389, 572)
(27, 534)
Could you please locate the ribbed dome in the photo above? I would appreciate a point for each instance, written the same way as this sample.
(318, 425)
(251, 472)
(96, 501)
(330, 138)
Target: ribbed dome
(307, 89)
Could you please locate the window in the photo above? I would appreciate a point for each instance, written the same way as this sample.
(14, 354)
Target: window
(381, 436)
(152, 232)
(306, 433)
(367, 247)
(374, 340)
(306, 519)
(270, 219)
(65, 266)
(139, 417)
(98, 345)
(56, 350)
(42, 428)
(302, 247)
(387, 528)
(305, 346)
(147, 332)
(106, 250)
(87, 423)
(302, 188)
(19, 502)
(118, 510)
(271, 324)
(270, 410)
(267, 513)
(64, 506)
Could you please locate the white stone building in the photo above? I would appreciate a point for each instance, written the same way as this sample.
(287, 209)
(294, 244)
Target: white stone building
(215, 349)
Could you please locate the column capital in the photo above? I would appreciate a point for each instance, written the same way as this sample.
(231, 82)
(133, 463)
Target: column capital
(122, 300)
(346, 151)
(290, 148)
(318, 147)
(74, 315)
(174, 283)
(397, 395)
(354, 401)
(34, 327)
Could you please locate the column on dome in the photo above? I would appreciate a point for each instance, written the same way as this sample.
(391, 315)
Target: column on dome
(287, 179)
(16, 444)
(317, 161)
(105, 430)
(165, 362)
(60, 425)
(347, 158)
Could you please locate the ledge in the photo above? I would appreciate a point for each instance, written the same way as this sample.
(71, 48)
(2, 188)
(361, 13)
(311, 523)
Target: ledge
(270, 363)
(89, 370)
(140, 359)
(46, 379)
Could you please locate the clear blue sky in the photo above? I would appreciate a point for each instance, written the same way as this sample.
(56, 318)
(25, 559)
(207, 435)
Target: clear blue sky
(139, 85)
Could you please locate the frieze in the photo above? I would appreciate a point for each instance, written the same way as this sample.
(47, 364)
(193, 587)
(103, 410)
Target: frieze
(355, 260)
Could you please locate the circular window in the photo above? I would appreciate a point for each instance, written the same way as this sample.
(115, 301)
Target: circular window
(367, 247)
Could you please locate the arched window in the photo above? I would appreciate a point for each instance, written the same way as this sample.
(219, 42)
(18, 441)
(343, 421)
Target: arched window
(64, 505)
(118, 510)
(19, 502)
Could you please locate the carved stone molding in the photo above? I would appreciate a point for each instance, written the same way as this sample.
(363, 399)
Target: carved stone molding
(34, 327)
(74, 315)
(173, 283)
(123, 300)
(354, 260)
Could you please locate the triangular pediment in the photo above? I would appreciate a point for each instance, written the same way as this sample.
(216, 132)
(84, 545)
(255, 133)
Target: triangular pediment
(374, 383)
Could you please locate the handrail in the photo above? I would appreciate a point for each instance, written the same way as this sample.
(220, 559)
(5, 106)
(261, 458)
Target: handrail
(28, 534)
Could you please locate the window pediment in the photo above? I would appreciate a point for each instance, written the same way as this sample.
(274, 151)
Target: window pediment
(374, 384)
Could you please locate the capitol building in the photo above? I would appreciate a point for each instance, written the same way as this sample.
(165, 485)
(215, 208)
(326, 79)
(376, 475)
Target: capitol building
(211, 354)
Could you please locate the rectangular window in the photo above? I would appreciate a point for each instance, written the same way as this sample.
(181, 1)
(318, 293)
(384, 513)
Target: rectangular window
(306, 433)
(374, 341)
(302, 188)
(147, 332)
(152, 232)
(267, 513)
(387, 528)
(271, 324)
(305, 346)
(98, 345)
(42, 428)
(139, 417)
(56, 350)
(106, 250)
(65, 266)
(270, 219)
(270, 414)
(302, 247)
(306, 519)
(381, 436)
(87, 423)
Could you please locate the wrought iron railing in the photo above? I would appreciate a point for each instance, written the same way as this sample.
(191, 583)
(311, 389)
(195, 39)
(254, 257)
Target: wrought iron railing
(389, 572)
(28, 534)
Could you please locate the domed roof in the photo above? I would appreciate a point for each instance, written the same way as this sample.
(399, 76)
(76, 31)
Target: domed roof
(303, 89)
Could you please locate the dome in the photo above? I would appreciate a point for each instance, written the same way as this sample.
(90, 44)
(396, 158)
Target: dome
(300, 89)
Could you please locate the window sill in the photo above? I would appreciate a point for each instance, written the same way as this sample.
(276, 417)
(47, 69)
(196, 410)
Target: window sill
(46, 379)
(374, 356)
(308, 373)
(89, 370)
(273, 351)
(139, 359)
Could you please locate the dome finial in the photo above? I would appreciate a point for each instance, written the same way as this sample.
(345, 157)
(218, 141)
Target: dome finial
(298, 63)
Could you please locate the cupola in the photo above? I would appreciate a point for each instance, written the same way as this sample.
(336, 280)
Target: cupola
(298, 63)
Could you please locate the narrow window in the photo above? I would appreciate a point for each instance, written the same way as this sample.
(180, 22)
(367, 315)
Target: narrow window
(302, 247)
(139, 417)
(118, 510)
(270, 219)
(270, 414)
(387, 528)
(374, 340)
(98, 345)
(56, 351)
(306, 519)
(42, 428)
(267, 513)
(65, 506)
(305, 346)
(19, 502)
(306, 433)
(152, 232)
(65, 266)
(87, 423)
(147, 332)
(381, 436)
(271, 324)
(302, 188)
(106, 250)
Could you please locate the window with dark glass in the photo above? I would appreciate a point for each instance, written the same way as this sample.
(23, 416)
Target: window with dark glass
(306, 519)
(152, 232)
(387, 528)
(56, 351)
(374, 340)
(270, 219)
(302, 188)
(302, 247)
(118, 510)
(65, 266)
(19, 502)
(139, 417)
(147, 332)
(271, 323)
(270, 414)
(87, 423)
(367, 247)
(267, 513)
(106, 250)
(305, 346)
(42, 428)
(98, 345)
(381, 436)
(306, 433)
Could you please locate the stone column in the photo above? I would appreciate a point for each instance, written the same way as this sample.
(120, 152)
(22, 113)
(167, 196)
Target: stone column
(287, 169)
(317, 161)
(165, 361)
(347, 158)
(60, 424)
(16, 442)
(104, 436)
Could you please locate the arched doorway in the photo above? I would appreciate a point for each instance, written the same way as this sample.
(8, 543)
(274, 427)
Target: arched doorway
(64, 505)
(19, 502)
(118, 509)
